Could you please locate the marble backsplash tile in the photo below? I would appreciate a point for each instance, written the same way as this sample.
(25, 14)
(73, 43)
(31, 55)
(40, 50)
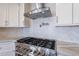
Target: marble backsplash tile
(13, 32)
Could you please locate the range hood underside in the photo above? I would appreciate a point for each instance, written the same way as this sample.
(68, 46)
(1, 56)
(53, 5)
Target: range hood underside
(42, 14)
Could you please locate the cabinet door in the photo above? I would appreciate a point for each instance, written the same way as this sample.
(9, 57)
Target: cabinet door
(7, 48)
(8, 53)
(13, 15)
(21, 15)
(3, 14)
(64, 13)
(75, 13)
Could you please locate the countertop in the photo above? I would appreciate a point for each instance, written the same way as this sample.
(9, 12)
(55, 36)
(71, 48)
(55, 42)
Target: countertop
(67, 48)
(10, 38)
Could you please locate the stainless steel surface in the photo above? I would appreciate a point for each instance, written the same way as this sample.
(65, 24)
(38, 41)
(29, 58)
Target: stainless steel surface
(40, 11)
(31, 46)
(23, 49)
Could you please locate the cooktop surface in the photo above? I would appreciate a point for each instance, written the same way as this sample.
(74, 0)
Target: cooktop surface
(46, 43)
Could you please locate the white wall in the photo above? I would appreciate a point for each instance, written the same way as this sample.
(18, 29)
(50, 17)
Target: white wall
(69, 34)
(45, 31)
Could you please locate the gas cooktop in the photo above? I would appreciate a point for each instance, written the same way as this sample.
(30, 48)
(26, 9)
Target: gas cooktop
(46, 43)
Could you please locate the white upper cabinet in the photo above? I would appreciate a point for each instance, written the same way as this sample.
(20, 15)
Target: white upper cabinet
(67, 14)
(75, 13)
(12, 15)
(64, 13)
(3, 15)
(21, 15)
(13, 11)
(8, 15)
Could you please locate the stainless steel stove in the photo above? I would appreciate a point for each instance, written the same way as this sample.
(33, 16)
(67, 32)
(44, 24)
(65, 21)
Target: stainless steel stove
(31, 46)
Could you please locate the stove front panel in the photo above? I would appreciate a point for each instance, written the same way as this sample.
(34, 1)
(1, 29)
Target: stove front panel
(23, 49)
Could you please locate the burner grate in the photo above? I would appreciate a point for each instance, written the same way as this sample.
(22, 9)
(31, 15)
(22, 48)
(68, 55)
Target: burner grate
(39, 42)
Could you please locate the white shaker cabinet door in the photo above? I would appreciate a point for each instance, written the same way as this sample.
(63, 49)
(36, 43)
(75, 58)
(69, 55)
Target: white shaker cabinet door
(3, 14)
(13, 15)
(21, 15)
(75, 13)
(7, 48)
(64, 13)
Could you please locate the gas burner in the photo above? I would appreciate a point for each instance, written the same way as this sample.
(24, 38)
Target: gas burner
(38, 42)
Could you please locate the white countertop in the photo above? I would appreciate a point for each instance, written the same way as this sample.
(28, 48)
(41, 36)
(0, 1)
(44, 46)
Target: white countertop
(10, 38)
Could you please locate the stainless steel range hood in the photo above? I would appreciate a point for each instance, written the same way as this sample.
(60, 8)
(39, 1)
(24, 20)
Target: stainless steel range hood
(40, 11)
